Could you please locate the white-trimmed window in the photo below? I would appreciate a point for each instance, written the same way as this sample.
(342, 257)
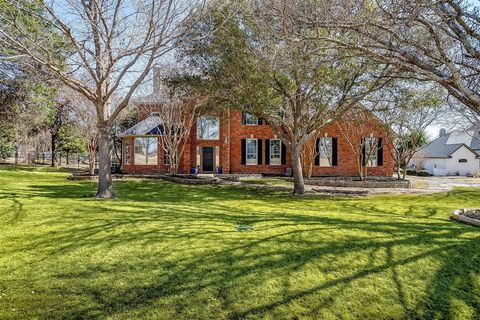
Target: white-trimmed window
(371, 149)
(325, 151)
(126, 159)
(208, 128)
(250, 119)
(251, 152)
(275, 152)
(146, 151)
(199, 156)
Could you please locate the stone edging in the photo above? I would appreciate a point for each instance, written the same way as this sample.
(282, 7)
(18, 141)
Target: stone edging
(360, 184)
(457, 215)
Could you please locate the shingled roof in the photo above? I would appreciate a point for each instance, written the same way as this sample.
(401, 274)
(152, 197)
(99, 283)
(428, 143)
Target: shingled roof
(147, 127)
(445, 145)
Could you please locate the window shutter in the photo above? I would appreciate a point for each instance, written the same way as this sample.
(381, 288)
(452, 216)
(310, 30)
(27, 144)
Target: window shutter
(267, 151)
(284, 154)
(259, 151)
(317, 152)
(244, 120)
(334, 151)
(380, 153)
(364, 152)
(244, 151)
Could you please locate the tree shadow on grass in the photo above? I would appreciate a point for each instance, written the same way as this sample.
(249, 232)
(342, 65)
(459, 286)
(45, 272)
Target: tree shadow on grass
(220, 269)
(190, 251)
(193, 275)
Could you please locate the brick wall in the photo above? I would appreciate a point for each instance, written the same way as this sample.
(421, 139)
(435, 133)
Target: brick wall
(231, 134)
(144, 110)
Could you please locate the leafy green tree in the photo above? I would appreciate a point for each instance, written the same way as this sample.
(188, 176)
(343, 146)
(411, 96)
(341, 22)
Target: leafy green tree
(8, 116)
(70, 141)
(35, 85)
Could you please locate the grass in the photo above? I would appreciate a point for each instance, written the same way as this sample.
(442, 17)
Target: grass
(268, 182)
(168, 251)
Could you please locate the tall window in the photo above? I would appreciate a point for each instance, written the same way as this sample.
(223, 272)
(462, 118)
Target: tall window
(371, 149)
(325, 152)
(127, 153)
(250, 119)
(252, 152)
(208, 128)
(275, 152)
(146, 151)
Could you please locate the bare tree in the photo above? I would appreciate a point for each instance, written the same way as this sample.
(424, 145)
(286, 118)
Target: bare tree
(177, 112)
(365, 138)
(84, 117)
(310, 152)
(114, 42)
(430, 40)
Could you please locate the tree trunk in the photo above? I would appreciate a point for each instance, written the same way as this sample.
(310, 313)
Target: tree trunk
(404, 173)
(105, 183)
(399, 171)
(298, 182)
(54, 150)
(91, 162)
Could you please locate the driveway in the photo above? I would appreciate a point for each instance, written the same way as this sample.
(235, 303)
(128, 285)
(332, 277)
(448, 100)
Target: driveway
(419, 185)
(443, 183)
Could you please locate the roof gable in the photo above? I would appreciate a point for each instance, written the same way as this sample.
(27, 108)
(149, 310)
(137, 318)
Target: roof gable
(440, 148)
(148, 126)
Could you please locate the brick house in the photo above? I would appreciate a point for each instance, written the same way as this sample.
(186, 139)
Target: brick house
(239, 143)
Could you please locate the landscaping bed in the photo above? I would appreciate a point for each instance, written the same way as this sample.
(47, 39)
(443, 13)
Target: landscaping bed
(183, 178)
(355, 182)
(470, 216)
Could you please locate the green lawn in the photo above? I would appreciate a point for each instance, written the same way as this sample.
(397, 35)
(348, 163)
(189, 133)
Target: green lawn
(168, 251)
(268, 182)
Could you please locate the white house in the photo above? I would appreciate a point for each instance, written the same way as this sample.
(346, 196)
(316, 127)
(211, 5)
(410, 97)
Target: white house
(454, 153)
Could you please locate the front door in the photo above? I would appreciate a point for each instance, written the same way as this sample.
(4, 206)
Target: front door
(207, 164)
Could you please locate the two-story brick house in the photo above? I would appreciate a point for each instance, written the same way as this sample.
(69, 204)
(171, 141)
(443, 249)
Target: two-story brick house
(240, 143)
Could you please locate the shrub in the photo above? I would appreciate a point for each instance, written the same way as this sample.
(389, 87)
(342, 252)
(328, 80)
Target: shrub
(423, 173)
(411, 172)
(6, 151)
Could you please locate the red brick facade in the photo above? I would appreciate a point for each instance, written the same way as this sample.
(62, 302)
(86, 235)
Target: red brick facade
(229, 147)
